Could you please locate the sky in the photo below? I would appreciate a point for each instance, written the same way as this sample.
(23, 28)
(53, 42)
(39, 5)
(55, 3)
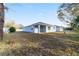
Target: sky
(29, 13)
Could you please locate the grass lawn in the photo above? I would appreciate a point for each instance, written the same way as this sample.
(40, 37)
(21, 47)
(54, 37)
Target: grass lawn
(48, 44)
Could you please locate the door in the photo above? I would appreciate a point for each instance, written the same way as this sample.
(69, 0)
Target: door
(42, 28)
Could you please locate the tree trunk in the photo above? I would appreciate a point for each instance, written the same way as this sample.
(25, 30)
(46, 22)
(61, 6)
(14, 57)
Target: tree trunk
(1, 20)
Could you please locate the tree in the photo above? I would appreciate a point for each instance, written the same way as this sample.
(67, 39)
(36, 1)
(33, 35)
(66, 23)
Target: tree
(20, 26)
(12, 23)
(69, 13)
(1, 20)
(75, 24)
(9, 23)
(2, 12)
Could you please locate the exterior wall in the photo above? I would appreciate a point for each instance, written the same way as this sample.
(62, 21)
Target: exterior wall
(19, 29)
(5, 30)
(51, 28)
(57, 29)
(37, 30)
(54, 28)
(28, 29)
(61, 29)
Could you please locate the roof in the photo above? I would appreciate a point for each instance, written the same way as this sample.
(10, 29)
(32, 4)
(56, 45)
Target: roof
(39, 23)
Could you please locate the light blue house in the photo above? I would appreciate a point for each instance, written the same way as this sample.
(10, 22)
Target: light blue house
(41, 27)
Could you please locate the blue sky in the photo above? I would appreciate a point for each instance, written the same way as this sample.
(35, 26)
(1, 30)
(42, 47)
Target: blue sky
(30, 13)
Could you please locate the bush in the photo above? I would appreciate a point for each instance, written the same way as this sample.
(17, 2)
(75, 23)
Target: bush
(68, 29)
(12, 29)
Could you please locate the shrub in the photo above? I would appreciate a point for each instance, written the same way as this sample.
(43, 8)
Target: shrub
(12, 29)
(70, 29)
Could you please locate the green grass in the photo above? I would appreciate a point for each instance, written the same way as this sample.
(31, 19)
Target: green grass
(74, 37)
(46, 44)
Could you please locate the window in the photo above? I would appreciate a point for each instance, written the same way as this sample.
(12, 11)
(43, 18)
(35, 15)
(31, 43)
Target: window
(36, 26)
(54, 27)
(49, 28)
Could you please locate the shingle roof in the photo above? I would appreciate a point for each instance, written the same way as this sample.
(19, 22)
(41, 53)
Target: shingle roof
(41, 23)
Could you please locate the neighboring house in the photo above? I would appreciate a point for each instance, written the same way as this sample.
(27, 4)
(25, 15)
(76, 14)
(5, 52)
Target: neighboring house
(19, 30)
(41, 27)
(5, 29)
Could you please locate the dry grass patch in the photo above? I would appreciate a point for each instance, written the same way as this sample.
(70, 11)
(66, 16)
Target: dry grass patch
(31, 44)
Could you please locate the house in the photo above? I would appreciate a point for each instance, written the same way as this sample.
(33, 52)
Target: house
(5, 30)
(41, 27)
